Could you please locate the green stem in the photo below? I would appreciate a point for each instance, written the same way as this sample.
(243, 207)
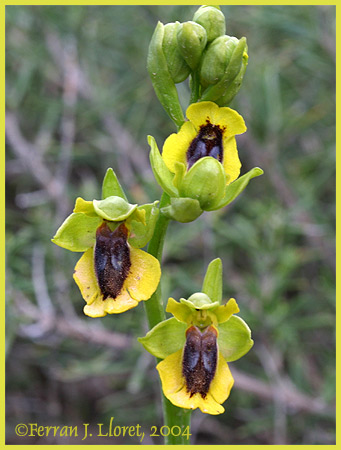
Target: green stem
(176, 419)
(195, 87)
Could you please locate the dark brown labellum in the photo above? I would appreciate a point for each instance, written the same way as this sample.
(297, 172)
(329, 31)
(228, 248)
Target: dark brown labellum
(208, 142)
(199, 362)
(112, 259)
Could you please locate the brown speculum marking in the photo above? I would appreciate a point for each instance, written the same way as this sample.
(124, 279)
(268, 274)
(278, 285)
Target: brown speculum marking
(199, 361)
(208, 142)
(112, 259)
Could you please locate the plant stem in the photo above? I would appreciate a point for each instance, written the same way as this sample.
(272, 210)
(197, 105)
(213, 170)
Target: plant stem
(176, 419)
(195, 87)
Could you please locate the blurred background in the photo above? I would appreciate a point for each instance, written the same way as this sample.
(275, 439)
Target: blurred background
(79, 100)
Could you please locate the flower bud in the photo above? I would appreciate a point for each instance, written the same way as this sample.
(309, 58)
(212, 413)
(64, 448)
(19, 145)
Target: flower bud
(214, 92)
(177, 66)
(216, 59)
(212, 19)
(162, 80)
(192, 40)
(236, 84)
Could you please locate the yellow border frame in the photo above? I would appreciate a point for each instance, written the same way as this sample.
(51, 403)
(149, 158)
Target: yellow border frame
(2, 190)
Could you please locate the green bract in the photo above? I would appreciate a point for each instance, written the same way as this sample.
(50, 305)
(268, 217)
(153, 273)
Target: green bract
(78, 232)
(161, 77)
(169, 336)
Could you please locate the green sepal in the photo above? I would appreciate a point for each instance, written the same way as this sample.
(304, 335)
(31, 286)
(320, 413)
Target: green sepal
(236, 187)
(234, 339)
(183, 210)
(161, 172)
(85, 207)
(162, 81)
(213, 281)
(205, 182)
(179, 174)
(141, 232)
(213, 93)
(235, 85)
(113, 208)
(165, 338)
(111, 186)
(199, 300)
(77, 233)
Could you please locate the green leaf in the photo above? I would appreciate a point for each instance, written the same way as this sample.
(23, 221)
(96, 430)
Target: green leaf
(77, 233)
(165, 338)
(161, 172)
(213, 282)
(183, 210)
(234, 338)
(111, 186)
(113, 208)
(234, 189)
(141, 233)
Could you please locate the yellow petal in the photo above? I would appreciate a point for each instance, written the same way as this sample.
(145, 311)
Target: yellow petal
(224, 312)
(232, 122)
(176, 146)
(199, 113)
(144, 275)
(174, 387)
(222, 382)
(179, 310)
(231, 160)
(170, 371)
(120, 304)
(84, 276)
(140, 284)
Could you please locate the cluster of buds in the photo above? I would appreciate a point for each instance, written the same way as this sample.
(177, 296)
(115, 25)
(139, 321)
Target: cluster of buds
(199, 49)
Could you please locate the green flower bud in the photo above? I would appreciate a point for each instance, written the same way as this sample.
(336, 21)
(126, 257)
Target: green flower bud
(192, 40)
(205, 182)
(212, 19)
(177, 66)
(216, 59)
(162, 80)
(236, 84)
(216, 91)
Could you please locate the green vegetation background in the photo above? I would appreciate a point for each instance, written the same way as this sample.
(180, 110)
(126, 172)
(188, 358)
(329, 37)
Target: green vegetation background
(79, 100)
